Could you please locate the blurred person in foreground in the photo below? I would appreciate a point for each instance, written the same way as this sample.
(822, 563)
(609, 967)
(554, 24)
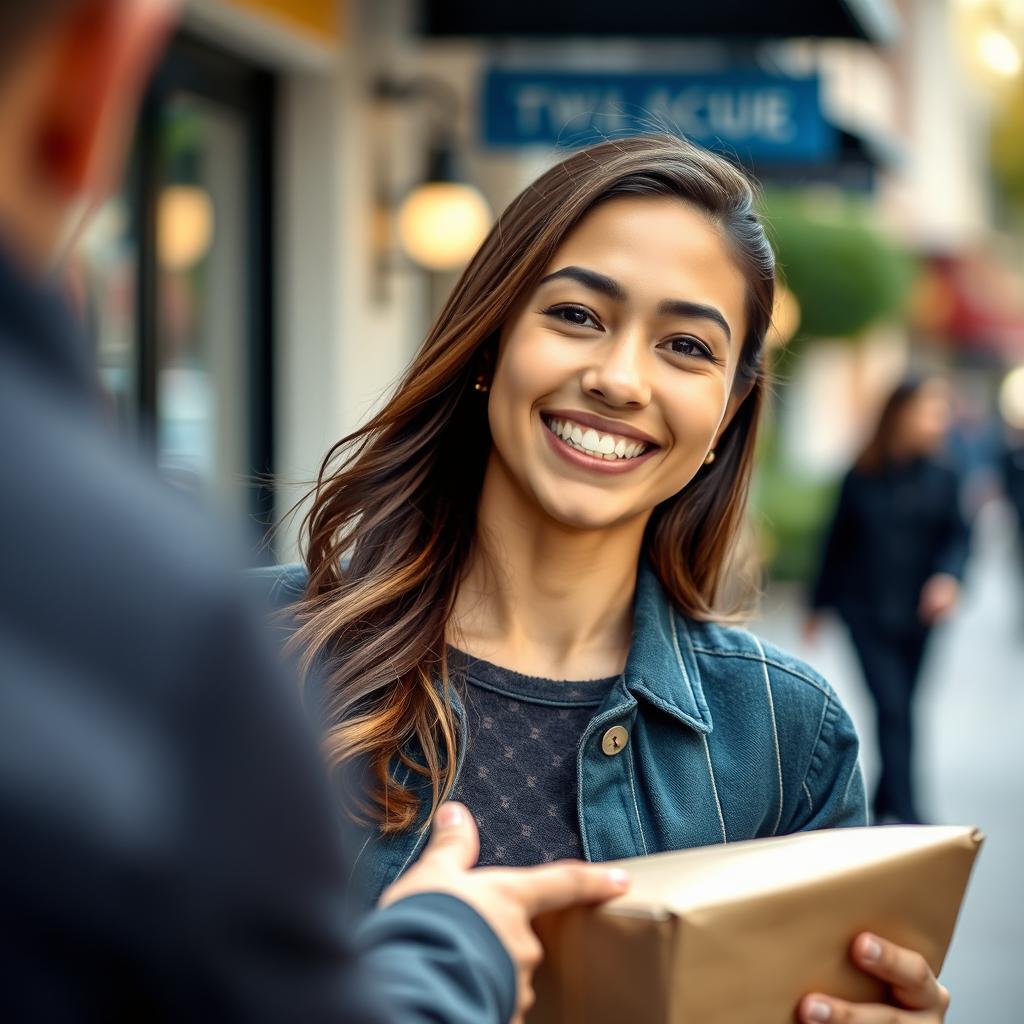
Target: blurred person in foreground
(891, 569)
(169, 849)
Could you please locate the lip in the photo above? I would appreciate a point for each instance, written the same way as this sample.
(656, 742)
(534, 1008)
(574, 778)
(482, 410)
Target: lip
(601, 424)
(611, 467)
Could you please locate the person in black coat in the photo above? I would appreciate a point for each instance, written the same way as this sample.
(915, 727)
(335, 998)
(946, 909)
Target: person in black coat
(170, 850)
(891, 569)
(1011, 466)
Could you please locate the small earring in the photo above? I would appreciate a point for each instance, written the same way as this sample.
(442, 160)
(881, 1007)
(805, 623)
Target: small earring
(709, 458)
(482, 383)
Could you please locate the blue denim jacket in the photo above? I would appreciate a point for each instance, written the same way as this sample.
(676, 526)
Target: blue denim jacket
(728, 738)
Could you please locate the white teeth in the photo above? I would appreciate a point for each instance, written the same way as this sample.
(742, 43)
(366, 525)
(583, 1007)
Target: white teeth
(602, 446)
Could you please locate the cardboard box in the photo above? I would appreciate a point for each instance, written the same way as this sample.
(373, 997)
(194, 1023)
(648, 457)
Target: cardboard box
(737, 934)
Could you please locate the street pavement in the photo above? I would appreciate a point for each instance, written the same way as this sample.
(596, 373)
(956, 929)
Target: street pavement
(970, 755)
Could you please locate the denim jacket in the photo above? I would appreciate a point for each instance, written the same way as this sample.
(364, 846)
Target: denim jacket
(726, 738)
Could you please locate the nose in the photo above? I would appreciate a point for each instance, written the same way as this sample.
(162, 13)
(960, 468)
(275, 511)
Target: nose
(618, 375)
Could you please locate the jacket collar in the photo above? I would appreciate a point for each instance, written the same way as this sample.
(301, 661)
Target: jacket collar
(662, 667)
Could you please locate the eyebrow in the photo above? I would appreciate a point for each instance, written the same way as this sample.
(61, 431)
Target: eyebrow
(613, 290)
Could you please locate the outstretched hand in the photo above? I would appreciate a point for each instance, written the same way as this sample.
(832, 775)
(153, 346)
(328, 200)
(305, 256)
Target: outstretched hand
(508, 899)
(917, 996)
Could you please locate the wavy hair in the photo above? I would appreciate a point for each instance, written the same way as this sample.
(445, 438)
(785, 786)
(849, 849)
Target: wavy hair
(394, 510)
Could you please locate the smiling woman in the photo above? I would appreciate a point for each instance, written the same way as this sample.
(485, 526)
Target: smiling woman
(626, 342)
(512, 579)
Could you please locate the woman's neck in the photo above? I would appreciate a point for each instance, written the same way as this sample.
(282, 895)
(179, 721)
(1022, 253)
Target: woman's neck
(542, 598)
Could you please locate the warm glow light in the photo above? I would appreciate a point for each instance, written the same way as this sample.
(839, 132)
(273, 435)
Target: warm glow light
(184, 226)
(785, 317)
(1011, 398)
(999, 52)
(442, 223)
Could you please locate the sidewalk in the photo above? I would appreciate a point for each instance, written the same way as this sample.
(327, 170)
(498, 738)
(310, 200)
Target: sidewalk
(970, 755)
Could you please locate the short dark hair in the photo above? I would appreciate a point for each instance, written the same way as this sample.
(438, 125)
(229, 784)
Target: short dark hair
(21, 19)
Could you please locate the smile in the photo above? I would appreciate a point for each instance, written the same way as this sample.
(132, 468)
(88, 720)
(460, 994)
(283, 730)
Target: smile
(609, 447)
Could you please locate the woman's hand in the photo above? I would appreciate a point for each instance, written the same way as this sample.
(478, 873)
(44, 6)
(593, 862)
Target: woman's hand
(811, 629)
(916, 993)
(939, 598)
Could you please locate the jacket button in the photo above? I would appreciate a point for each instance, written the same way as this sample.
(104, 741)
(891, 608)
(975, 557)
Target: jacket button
(614, 740)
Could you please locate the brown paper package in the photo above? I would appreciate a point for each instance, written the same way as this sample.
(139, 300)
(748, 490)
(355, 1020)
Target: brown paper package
(737, 934)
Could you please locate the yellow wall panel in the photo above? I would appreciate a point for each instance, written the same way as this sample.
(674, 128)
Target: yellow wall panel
(322, 18)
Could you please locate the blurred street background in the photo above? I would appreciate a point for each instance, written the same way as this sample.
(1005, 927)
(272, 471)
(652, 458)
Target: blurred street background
(309, 177)
(970, 757)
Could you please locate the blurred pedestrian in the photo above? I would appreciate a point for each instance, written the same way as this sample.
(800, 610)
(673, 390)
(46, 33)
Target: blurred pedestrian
(892, 565)
(1012, 472)
(169, 847)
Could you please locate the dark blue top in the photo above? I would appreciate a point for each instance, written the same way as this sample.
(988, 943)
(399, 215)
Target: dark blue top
(519, 776)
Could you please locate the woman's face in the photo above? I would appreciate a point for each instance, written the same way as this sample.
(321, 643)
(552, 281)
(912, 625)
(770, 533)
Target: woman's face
(613, 377)
(925, 420)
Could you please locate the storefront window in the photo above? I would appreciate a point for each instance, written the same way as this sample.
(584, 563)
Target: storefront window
(202, 362)
(110, 273)
(176, 269)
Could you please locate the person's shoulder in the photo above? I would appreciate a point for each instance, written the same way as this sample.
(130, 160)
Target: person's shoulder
(98, 552)
(729, 651)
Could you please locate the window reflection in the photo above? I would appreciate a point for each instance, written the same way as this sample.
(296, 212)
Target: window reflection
(202, 369)
(109, 262)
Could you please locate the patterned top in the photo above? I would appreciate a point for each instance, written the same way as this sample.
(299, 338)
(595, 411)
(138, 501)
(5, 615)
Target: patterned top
(519, 772)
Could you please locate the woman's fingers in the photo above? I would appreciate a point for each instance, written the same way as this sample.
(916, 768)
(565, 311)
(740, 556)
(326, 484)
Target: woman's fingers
(913, 983)
(822, 1009)
(915, 989)
(818, 1009)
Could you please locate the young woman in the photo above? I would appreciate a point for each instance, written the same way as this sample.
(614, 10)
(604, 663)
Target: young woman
(891, 569)
(512, 571)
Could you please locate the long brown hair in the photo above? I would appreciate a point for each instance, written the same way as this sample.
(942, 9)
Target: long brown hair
(878, 449)
(398, 498)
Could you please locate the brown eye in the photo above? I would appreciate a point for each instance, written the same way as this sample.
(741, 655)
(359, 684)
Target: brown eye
(685, 345)
(575, 316)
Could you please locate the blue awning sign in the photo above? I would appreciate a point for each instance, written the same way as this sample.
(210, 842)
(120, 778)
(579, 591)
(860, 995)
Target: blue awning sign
(754, 114)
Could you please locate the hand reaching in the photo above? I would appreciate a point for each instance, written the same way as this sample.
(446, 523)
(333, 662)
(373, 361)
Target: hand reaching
(508, 899)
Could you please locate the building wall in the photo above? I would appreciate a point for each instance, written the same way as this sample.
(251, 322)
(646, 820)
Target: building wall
(347, 317)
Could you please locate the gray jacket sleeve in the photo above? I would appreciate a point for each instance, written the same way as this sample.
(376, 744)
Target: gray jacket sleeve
(265, 896)
(432, 957)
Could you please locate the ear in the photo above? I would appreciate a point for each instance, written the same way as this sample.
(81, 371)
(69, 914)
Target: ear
(102, 56)
(740, 393)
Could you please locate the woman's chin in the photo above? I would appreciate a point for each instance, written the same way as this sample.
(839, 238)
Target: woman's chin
(587, 516)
